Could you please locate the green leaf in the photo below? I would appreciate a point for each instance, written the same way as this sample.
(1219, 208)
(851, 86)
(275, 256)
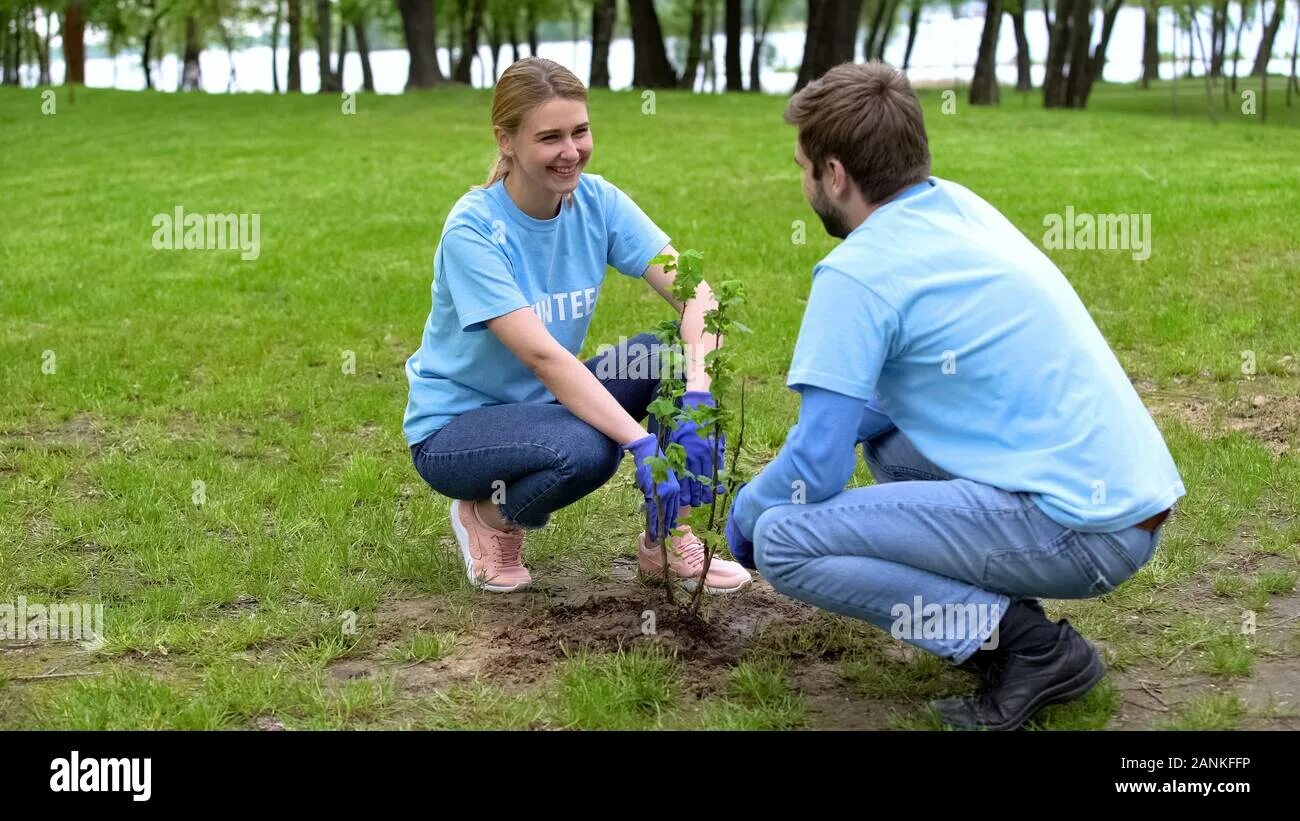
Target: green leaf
(676, 455)
(664, 410)
(669, 262)
(659, 468)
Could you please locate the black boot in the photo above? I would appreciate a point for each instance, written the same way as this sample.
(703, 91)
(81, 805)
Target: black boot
(1025, 625)
(1024, 678)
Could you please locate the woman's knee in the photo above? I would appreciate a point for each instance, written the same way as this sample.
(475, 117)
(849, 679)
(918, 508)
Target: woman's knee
(588, 457)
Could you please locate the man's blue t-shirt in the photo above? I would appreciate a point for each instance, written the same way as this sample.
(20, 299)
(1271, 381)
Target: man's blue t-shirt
(976, 346)
(493, 259)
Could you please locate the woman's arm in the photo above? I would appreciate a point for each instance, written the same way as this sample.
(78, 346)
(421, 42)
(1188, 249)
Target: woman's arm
(698, 343)
(564, 375)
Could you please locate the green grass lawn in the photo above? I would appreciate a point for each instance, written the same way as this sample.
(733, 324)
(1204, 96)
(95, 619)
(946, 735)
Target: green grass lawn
(180, 439)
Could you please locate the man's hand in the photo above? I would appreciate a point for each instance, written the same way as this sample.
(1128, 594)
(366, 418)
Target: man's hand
(740, 547)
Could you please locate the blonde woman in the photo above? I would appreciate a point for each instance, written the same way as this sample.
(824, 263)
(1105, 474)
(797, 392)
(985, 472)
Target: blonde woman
(502, 416)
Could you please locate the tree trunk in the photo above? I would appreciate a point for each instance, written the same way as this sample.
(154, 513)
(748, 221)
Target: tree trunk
(13, 57)
(275, 47)
(757, 34)
(469, 44)
(693, 46)
(877, 13)
(342, 54)
(150, 37)
(1098, 63)
(829, 39)
(19, 39)
(8, 76)
(650, 68)
(1266, 42)
(603, 15)
(984, 86)
(575, 26)
(494, 45)
(1236, 49)
(1218, 37)
(710, 56)
(229, 42)
(913, 22)
(191, 73)
(886, 29)
(513, 36)
(328, 82)
(363, 51)
(1058, 53)
(530, 20)
(457, 31)
(1173, 75)
(74, 43)
(732, 25)
(1076, 92)
(45, 49)
(1024, 77)
(420, 27)
(145, 52)
(294, 80)
(1150, 44)
(1205, 64)
(1293, 83)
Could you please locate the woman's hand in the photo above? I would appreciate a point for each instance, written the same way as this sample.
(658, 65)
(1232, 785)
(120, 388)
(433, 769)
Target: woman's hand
(667, 492)
(700, 452)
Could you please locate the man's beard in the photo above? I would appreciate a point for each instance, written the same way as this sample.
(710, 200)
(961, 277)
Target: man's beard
(832, 221)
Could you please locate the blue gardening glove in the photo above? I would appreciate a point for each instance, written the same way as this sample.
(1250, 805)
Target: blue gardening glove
(699, 452)
(740, 547)
(669, 490)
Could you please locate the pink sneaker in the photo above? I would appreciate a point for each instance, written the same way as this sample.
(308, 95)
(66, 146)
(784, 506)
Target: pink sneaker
(491, 556)
(686, 560)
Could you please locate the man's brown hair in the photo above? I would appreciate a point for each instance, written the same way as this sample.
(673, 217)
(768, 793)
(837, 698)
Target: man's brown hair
(867, 116)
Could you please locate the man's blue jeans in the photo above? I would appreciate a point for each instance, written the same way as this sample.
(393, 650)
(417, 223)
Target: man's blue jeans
(920, 532)
(535, 458)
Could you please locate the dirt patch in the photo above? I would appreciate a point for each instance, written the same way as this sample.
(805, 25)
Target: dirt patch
(1273, 419)
(1151, 698)
(81, 432)
(516, 639)
(834, 705)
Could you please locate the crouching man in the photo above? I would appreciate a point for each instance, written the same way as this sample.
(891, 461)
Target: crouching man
(1013, 459)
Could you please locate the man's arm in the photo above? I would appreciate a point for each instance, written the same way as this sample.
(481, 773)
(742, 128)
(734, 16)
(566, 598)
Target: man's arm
(874, 422)
(815, 463)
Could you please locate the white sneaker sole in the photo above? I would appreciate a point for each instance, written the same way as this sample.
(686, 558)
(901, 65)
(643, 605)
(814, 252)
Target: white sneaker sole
(462, 539)
(688, 585)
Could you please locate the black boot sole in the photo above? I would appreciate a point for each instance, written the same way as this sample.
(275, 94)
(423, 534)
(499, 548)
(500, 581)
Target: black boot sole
(1068, 690)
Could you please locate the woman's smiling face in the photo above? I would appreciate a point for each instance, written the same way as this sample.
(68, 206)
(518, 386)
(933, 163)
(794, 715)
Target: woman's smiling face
(551, 147)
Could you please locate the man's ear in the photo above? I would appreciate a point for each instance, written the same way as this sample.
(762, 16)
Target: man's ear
(837, 178)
